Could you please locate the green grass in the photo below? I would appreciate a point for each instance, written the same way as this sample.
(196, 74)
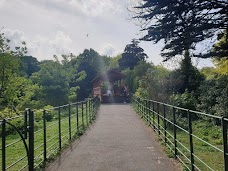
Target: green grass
(203, 129)
(17, 151)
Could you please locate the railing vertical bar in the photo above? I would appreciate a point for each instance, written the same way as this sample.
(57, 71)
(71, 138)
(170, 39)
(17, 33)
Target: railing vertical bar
(31, 140)
(141, 108)
(225, 150)
(3, 145)
(45, 136)
(191, 140)
(92, 108)
(90, 116)
(69, 117)
(77, 118)
(26, 124)
(153, 116)
(174, 133)
(149, 112)
(59, 120)
(138, 104)
(164, 122)
(83, 126)
(158, 114)
(87, 113)
(144, 104)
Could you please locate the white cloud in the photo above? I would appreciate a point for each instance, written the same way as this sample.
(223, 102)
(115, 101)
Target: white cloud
(61, 26)
(15, 36)
(44, 47)
(88, 8)
(109, 50)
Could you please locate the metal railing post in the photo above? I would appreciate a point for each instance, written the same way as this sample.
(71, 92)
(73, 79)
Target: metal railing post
(164, 122)
(225, 150)
(138, 104)
(45, 136)
(158, 114)
(149, 115)
(90, 110)
(144, 104)
(60, 136)
(25, 131)
(87, 114)
(83, 126)
(77, 118)
(148, 111)
(174, 133)
(69, 115)
(3, 145)
(31, 140)
(190, 140)
(153, 115)
(141, 108)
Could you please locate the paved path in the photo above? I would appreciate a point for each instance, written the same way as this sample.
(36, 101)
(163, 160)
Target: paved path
(118, 141)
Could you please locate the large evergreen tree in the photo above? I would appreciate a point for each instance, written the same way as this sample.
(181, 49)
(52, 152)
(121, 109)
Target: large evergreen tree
(132, 55)
(181, 24)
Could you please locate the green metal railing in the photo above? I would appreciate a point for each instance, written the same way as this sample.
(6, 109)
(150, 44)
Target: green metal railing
(31, 139)
(181, 136)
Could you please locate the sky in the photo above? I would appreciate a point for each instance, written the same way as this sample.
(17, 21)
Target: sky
(55, 27)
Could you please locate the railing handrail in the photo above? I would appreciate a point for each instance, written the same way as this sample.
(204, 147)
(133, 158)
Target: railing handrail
(177, 107)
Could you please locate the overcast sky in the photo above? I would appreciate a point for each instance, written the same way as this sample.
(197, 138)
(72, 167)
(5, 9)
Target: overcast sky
(69, 26)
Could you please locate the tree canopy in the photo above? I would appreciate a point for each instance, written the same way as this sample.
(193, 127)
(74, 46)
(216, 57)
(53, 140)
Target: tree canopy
(132, 55)
(181, 24)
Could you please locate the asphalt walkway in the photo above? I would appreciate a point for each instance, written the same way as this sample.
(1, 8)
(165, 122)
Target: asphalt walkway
(118, 141)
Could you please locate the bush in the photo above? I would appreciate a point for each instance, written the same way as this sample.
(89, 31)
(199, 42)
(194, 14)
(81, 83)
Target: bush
(185, 100)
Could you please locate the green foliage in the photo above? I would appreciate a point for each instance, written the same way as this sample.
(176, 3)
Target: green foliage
(114, 61)
(89, 65)
(186, 78)
(54, 80)
(221, 66)
(208, 72)
(132, 55)
(73, 94)
(154, 83)
(213, 98)
(134, 76)
(21, 92)
(185, 100)
(29, 65)
(181, 24)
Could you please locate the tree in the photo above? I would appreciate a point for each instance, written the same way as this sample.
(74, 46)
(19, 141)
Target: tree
(220, 53)
(9, 63)
(181, 24)
(213, 98)
(94, 59)
(91, 63)
(22, 93)
(54, 81)
(29, 65)
(114, 61)
(132, 55)
(153, 84)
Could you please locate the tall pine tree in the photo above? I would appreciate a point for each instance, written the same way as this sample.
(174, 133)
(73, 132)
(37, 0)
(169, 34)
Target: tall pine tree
(132, 55)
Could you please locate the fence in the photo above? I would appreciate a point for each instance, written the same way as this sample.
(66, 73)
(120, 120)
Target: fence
(30, 140)
(186, 134)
